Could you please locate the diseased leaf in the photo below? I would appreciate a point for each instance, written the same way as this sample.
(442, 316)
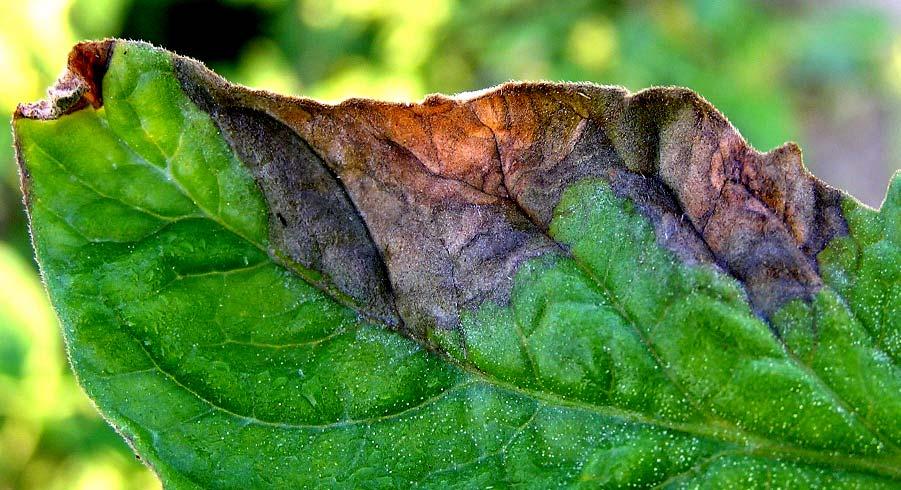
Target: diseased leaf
(537, 285)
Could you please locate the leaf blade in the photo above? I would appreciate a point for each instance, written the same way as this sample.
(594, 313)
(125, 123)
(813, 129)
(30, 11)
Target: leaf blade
(378, 402)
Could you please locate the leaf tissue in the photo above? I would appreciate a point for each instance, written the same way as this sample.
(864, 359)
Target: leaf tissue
(536, 285)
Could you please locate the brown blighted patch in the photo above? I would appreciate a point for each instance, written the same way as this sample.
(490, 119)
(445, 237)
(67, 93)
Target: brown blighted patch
(455, 193)
(764, 217)
(447, 233)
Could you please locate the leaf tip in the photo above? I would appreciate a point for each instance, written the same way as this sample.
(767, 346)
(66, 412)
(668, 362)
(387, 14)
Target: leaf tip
(79, 85)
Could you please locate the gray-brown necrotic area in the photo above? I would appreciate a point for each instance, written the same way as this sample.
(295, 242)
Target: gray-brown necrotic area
(418, 212)
(312, 221)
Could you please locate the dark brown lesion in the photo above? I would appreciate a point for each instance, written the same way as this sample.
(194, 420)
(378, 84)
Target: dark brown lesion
(452, 195)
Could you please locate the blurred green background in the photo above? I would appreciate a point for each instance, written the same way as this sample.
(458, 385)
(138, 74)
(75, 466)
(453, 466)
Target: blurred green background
(826, 74)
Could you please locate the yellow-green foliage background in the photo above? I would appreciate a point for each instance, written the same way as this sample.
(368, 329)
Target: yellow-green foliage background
(826, 74)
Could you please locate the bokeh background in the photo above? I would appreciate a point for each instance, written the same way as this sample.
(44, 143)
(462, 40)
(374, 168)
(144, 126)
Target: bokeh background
(826, 74)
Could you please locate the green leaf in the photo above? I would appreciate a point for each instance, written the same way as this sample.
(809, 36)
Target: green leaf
(538, 285)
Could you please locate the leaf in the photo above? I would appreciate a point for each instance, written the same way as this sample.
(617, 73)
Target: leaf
(536, 285)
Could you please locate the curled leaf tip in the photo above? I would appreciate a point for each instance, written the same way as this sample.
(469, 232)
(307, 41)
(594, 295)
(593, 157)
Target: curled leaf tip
(78, 86)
